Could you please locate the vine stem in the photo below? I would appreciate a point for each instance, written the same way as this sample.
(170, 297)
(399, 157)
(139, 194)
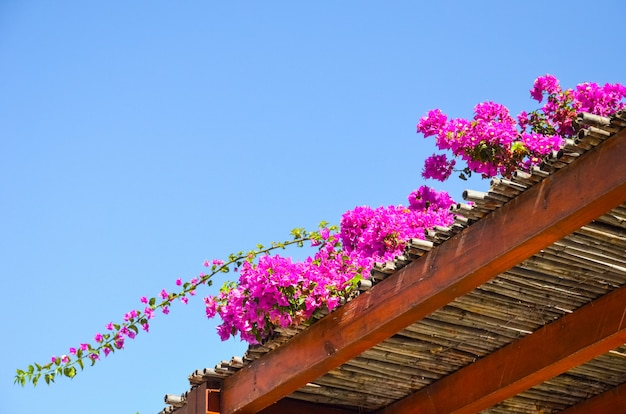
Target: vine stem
(66, 365)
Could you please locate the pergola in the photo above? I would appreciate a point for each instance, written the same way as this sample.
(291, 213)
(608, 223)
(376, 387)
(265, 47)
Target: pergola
(519, 307)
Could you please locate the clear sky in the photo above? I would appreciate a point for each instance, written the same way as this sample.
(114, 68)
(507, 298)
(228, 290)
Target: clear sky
(138, 139)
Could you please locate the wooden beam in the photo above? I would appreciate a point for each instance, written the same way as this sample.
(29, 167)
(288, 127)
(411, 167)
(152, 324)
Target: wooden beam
(611, 401)
(555, 207)
(557, 347)
(290, 405)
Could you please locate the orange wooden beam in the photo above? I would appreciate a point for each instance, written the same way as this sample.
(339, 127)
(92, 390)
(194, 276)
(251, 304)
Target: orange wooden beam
(550, 210)
(557, 347)
(611, 401)
(290, 405)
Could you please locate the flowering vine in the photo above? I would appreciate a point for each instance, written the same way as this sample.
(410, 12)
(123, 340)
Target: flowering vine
(493, 142)
(137, 320)
(276, 292)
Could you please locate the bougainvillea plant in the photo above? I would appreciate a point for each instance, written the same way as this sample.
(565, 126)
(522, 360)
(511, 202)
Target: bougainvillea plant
(276, 292)
(494, 143)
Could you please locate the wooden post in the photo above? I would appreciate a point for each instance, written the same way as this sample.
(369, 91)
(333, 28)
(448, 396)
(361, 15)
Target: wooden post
(212, 401)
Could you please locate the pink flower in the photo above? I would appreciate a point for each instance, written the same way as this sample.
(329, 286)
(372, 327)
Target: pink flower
(325, 233)
(144, 300)
(432, 124)
(184, 300)
(206, 263)
(98, 338)
(179, 282)
(149, 312)
(165, 310)
(53, 359)
(107, 351)
(110, 326)
(164, 294)
(65, 359)
(145, 327)
(119, 342)
(84, 347)
(546, 83)
(438, 167)
(73, 351)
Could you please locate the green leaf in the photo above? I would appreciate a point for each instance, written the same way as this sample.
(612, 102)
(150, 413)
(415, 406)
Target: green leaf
(69, 372)
(152, 301)
(81, 363)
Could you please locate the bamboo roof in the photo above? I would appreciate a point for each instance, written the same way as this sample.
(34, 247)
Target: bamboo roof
(519, 307)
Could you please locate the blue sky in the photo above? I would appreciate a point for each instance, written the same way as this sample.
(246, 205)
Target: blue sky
(138, 139)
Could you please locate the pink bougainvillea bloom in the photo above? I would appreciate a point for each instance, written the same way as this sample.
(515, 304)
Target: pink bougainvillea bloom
(206, 263)
(547, 83)
(84, 347)
(144, 300)
(107, 351)
(325, 233)
(149, 312)
(145, 327)
(73, 351)
(98, 338)
(218, 262)
(95, 357)
(165, 310)
(179, 282)
(184, 300)
(438, 167)
(65, 359)
(131, 315)
(53, 359)
(110, 326)
(164, 294)
(432, 124)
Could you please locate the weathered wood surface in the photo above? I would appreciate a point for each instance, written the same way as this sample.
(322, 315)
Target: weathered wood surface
(566, 343)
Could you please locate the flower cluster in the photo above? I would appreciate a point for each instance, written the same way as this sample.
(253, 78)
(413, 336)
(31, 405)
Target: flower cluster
(380, 233)
(493, 142)
(277, 292)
